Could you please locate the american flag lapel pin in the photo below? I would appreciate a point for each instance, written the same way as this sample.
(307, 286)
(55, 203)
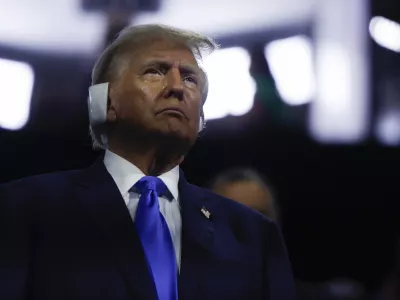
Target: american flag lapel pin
(205, 212)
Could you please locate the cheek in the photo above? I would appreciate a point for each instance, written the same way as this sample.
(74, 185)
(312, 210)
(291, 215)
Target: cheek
(149, 92)
(126, 104)
(195, 103)
(137, 100)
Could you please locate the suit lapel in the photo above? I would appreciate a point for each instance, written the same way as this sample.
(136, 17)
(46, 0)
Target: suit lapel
(197, 238)
(102, 200)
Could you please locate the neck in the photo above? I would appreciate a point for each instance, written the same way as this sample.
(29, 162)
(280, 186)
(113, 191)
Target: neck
(152, 160)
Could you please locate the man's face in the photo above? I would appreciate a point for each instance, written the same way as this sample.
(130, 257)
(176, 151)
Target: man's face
(158, 92)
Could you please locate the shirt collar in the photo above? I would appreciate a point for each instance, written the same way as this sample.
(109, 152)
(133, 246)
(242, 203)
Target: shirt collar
(126, 174)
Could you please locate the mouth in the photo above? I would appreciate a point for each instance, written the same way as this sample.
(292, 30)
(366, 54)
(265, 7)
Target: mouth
(174, 111)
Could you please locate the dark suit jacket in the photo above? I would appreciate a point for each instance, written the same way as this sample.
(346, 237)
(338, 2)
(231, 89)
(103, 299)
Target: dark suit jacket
(69, 235)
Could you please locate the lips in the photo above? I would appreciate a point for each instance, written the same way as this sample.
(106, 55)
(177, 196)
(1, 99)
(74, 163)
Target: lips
(173, 110)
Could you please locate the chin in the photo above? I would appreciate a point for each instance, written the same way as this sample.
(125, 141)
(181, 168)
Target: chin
(176, 129)
(176, 134)
(179, 135)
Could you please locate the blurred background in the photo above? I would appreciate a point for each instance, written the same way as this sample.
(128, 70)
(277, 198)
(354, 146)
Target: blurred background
(306, 92)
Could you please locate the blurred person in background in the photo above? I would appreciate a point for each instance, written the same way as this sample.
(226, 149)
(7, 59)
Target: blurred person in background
(248, 187)
(130, 226)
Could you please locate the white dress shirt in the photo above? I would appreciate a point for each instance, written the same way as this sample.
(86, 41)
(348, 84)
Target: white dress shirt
(125, 175)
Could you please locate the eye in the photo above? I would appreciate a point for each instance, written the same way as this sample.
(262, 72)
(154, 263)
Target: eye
(191, 79)
(153, 71)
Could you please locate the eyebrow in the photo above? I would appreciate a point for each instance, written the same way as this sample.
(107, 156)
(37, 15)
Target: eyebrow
(184, 68)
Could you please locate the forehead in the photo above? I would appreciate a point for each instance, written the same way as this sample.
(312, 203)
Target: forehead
(162, 49)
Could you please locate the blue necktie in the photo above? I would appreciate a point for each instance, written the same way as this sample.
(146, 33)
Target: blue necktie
(156, 238)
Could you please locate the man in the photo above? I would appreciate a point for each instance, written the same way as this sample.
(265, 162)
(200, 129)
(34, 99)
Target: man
(248, 187)
(99, 234)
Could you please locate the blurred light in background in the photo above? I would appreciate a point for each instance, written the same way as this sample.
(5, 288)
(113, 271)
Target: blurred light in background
(291, 64)
(64, 26)
(16, 84)
(388, 128)
(51, 26)
(339, 113)
(231, 87)
(226, 17)
(385, 33)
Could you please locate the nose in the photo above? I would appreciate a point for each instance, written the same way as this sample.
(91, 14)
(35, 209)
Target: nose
(174, 84)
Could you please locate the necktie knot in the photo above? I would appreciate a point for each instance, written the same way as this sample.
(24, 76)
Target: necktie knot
(151, 183)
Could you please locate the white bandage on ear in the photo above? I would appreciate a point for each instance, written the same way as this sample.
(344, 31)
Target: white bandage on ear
(97, 104)
(98, 97)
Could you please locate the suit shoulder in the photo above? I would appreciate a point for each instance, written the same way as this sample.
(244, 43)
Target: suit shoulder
(38, 181)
